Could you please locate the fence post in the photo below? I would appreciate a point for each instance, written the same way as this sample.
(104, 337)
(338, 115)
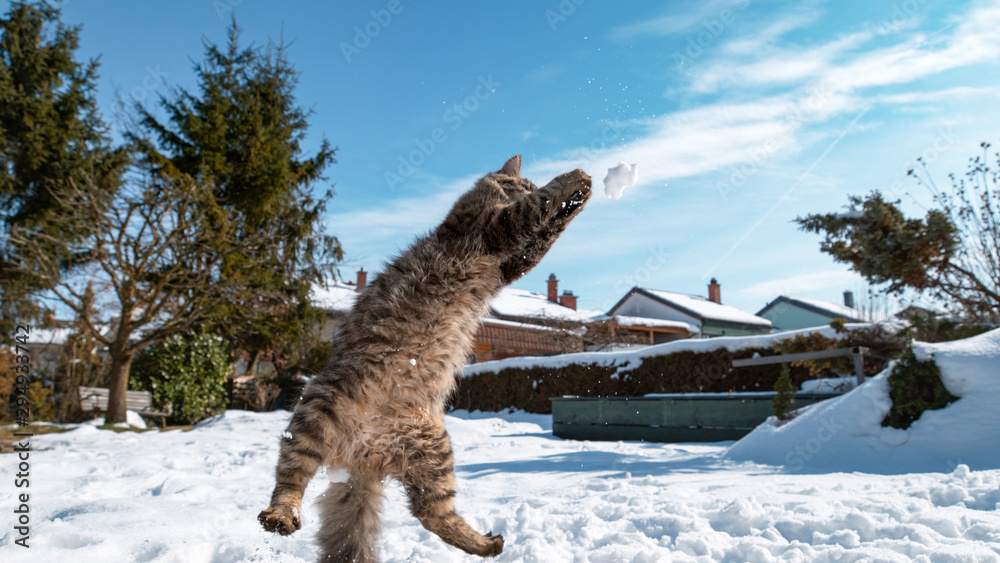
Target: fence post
(859, 363)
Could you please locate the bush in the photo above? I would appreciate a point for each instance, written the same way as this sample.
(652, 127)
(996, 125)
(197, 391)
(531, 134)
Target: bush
(914, 386)
(186, 376)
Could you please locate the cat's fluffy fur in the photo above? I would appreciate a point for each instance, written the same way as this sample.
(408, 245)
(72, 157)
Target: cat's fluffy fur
(377, 409)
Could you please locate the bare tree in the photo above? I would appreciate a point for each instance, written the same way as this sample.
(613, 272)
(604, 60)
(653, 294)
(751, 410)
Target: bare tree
(153, 254)
(973, 206)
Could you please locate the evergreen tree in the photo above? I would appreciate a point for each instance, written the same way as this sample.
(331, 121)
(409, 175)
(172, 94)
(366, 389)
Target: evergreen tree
(784, 401)
(50, 134)
(241, 132)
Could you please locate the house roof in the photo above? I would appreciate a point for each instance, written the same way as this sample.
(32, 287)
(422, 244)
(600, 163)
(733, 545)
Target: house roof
(519, 303)
(508, 304)
(699, 307)
(831, 310)
(334, 296)
(626, 320)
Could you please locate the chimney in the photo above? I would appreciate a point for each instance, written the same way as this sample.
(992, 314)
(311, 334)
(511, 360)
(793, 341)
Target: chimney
(553, 288)
(568, 300)
(849, 299)
(715, 292)
(362, 280)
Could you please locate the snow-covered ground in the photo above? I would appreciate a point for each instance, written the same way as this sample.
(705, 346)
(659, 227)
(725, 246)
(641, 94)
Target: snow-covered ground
(194, 496)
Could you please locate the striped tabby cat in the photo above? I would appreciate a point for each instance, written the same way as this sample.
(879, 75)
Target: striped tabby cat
(377, 409)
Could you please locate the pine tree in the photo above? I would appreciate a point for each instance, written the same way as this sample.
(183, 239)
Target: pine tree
(50, 134)
(241, 132)
(784, 401)
(952, 253)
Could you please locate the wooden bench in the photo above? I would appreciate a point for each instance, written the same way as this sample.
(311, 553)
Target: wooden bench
(96, 399)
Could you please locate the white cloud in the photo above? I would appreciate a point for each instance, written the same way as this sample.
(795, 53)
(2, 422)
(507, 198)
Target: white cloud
(682, 19)
(779, 66)
(396, 219)
(830, 282)
(836, 65)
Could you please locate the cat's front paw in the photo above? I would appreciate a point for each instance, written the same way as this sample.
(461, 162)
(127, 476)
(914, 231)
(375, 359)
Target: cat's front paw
(281, 519)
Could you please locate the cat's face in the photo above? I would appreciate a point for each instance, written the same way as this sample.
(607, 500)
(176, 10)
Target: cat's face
(508, 217)
(475, 210)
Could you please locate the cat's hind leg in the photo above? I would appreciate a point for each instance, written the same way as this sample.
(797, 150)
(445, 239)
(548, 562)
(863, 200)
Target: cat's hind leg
(305, 445)
(429, 480)
(350, 521)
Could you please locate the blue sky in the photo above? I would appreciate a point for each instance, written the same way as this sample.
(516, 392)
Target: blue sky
(742, 116)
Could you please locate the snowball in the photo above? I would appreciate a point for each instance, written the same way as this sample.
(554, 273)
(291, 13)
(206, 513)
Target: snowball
(413, 361)
(339, 475)
(620, 177)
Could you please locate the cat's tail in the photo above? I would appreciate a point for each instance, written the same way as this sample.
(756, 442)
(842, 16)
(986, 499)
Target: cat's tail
(350, 521)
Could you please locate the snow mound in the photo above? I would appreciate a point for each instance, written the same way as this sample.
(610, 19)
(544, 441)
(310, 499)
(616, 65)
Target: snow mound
(846, 433)
(620, 177)
(132, 419)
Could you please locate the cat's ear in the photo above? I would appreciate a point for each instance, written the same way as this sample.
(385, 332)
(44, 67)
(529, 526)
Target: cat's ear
(512, 167)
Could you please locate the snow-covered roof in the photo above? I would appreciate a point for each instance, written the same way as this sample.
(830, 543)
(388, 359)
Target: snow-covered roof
(625, 320)
(49, 335)
(513, 324)
(823, 307)
(334, 296)
(520, 303)
(706, 309)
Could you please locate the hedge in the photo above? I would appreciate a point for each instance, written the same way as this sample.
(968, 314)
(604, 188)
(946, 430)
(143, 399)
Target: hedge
(529, 388)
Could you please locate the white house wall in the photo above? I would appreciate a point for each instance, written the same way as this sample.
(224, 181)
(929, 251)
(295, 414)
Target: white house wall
(639, 305)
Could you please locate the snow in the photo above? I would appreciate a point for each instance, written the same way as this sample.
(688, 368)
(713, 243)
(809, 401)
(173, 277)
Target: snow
(520, 303)
(625, 320)
(194, 497)
(334, 296)
(846, 434)
(830, 384)
(44, 336)
(132, 419)
(620, 177)
(708, 309)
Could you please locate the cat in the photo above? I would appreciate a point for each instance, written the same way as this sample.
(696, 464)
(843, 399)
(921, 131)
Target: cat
(377, 408)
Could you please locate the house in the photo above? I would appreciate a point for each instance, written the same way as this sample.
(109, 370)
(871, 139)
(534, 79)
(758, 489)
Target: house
(791, 313)
(525, 323)
(47, 346)
(518, 322)
(692, 314)
(336, 299)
